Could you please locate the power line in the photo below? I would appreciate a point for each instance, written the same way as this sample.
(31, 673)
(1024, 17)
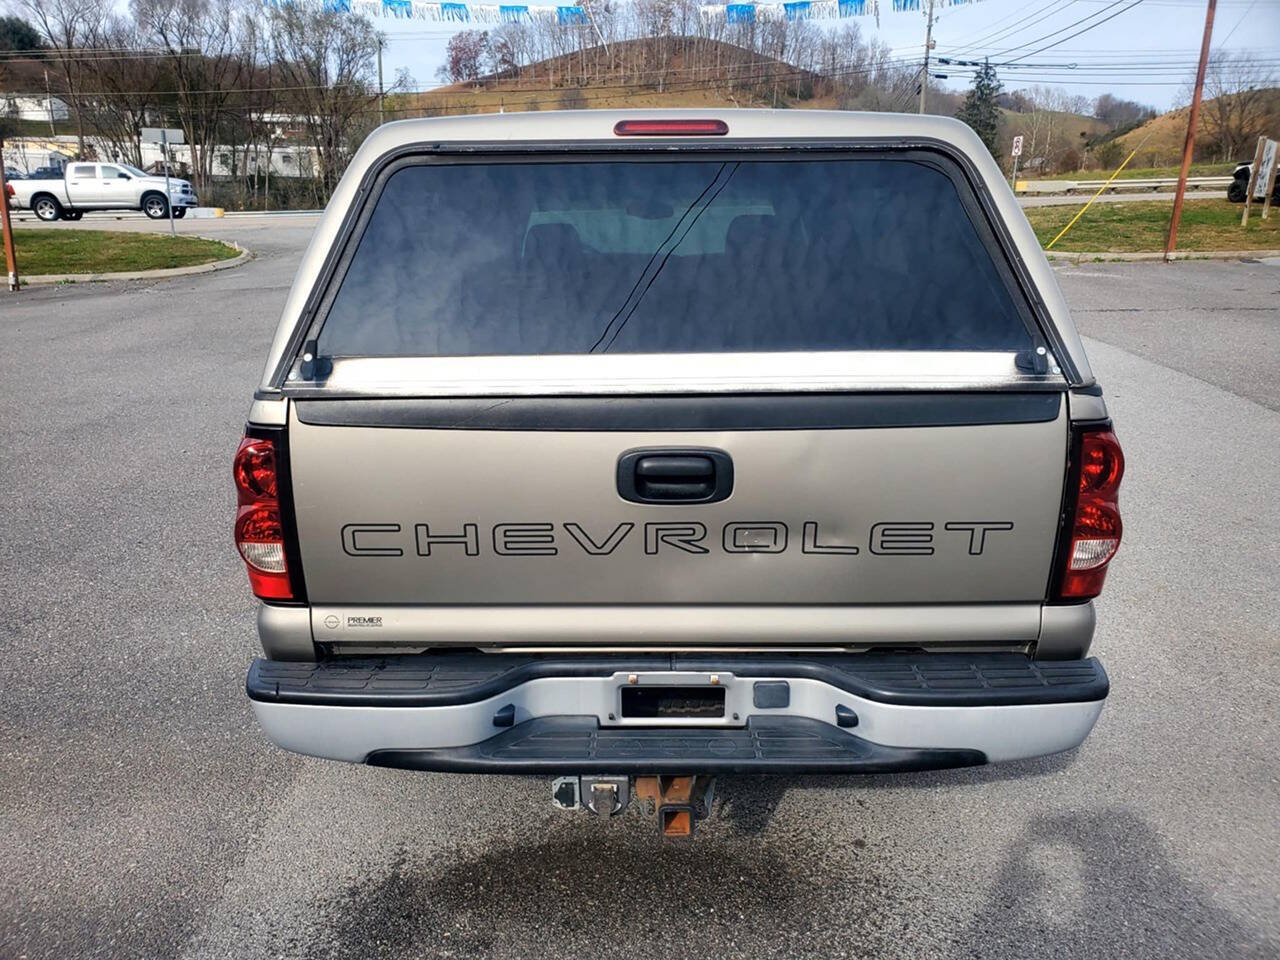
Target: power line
(1247, 11)
(1057, 43)
(1019, 25)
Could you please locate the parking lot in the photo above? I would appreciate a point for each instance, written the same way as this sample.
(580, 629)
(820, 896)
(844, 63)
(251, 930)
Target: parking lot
(142, 814)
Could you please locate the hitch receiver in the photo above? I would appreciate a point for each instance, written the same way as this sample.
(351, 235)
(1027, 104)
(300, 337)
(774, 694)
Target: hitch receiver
(680, 801)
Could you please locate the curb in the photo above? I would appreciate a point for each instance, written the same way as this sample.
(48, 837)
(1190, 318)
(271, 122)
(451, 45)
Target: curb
(52, 278)
(1176, 255)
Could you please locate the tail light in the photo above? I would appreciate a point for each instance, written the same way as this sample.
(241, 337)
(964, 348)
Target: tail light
(9, 191)
(260, 534)
(1092, 529)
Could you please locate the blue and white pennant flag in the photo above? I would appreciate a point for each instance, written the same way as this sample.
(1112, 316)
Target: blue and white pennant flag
(443, 11)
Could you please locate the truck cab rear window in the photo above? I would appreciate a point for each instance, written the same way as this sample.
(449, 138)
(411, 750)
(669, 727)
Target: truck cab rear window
(637, 256)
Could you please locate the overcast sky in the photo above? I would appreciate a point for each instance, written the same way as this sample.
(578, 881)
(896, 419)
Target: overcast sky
(1146, 53)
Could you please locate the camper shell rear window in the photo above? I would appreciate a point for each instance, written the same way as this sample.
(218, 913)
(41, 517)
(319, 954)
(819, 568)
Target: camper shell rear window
(734, 253)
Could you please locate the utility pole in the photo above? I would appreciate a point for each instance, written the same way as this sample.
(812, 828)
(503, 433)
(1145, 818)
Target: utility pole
(928, 47)
(382, 111)
(48, 102)
(10, 257)
(1190, 144)
(168, 197)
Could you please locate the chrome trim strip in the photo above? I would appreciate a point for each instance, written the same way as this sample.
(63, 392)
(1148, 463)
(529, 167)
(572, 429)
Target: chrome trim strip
(723, 625)
(604, 374)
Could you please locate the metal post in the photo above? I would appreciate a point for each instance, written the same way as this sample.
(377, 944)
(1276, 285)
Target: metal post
(48, 103)
(382, 112)
(928, 46)
(1013, 178)
(168, 196)
(1190, 144)
(10, 256)
(1254, 172)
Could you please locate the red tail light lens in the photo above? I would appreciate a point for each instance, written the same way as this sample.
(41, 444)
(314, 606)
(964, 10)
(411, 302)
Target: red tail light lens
(259, 531)
(670, 128)
(1095, 526)
(255, 469)
(8, 189)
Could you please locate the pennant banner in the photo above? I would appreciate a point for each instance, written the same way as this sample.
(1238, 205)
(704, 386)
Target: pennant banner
(735, 12)
(442, 11)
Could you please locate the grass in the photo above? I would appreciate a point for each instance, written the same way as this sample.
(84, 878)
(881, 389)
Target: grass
(109, 251)
(1141, 227)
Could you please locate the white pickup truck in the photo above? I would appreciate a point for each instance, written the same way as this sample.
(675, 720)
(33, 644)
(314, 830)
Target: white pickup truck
(101, 186)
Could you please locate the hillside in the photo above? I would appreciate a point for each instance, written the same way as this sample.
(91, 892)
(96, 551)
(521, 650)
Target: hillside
(670, 72)
(1054, 141)
(1161, 139)
(700, 72)
(675, 72)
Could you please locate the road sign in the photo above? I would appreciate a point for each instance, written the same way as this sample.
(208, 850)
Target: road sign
(165, 136)
(1017, 146)
(161, 135)
(1261, 178)
(1264, 172)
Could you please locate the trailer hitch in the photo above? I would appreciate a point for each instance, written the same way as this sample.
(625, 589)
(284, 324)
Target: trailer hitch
(680, 801)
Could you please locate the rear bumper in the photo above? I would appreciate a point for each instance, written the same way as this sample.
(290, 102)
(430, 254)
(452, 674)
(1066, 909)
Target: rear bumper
(563, 716)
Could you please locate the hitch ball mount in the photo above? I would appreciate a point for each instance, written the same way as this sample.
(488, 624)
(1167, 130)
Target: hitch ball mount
(680, 802)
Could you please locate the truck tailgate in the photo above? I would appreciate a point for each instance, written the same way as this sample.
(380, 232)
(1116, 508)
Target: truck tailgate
(867, 511)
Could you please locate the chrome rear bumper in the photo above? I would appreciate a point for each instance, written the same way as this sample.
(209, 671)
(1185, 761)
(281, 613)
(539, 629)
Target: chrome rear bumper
(850, 713)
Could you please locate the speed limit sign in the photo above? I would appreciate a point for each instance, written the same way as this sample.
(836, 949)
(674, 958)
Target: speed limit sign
(1017, 146)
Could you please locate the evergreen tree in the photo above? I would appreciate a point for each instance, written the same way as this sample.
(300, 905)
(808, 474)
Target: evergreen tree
(979, 109)
(17, 34)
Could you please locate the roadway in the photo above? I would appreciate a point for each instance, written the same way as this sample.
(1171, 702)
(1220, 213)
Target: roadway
(142, 814)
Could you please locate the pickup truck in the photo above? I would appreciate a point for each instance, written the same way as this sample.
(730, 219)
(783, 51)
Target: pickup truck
(634, 448)
(85, 187)
(1238, 189)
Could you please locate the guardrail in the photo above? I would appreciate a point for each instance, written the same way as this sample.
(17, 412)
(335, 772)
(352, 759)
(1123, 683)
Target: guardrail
(1158, 183)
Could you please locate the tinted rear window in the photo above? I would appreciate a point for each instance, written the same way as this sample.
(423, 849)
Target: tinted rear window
(693, 256)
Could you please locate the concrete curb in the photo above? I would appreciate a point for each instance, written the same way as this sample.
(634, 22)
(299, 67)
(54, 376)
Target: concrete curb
(1176, 255)
(245, 255)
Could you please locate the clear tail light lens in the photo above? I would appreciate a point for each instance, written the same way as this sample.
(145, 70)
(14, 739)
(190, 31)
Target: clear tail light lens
(259, 531)
(1094, 519)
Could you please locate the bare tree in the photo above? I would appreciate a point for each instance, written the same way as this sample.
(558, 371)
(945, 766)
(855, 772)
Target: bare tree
(1238, 91)
(324, 59)
(466, 56)
(1121, 115)
(65, 25)
(202, 47)
(122, 88)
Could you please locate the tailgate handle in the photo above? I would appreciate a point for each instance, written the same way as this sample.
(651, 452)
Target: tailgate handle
(675, 476)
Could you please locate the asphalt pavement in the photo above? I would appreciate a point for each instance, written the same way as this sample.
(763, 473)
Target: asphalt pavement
(143, 815)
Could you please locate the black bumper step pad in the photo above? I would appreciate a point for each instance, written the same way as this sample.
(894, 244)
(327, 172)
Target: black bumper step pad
(446, 679)
(566, 746)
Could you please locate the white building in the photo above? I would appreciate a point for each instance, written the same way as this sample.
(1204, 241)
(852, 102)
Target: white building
(18, 106)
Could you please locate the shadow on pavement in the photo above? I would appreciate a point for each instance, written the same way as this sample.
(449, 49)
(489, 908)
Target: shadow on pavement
(602, 889)
(1101, 884)
(749, 803)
